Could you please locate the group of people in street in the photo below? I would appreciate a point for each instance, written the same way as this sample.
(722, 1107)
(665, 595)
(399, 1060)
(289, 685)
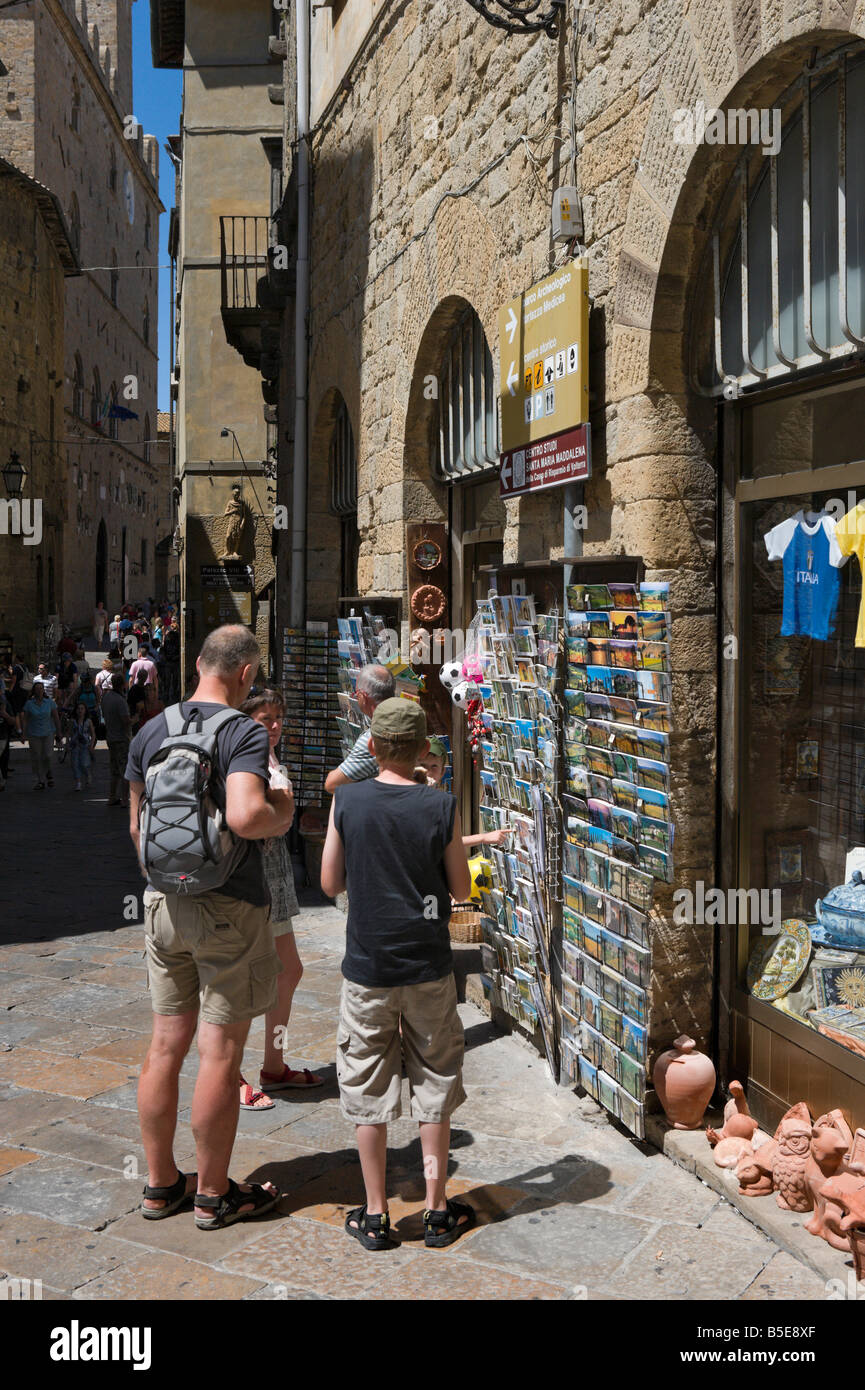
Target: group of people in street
(221, 950)
(63, 708)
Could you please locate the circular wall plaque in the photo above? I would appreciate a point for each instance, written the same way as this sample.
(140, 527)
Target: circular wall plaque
(428, 603)
(427, 554)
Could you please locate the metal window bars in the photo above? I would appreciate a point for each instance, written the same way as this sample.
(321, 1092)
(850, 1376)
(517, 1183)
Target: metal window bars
(243, 243)
(816, 78)
(343, 465)
(467, 435)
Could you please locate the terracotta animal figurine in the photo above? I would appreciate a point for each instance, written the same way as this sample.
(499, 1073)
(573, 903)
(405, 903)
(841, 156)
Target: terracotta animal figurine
(755, 1170)
(852, 1200)
(794, 1148)
(738, 1121)
(831, 1141)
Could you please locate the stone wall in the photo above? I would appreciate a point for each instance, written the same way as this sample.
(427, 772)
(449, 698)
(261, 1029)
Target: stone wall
(63, 57)
(31, 407)
(451, 141)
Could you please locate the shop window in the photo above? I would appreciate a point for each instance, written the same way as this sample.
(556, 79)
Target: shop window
(802, 800)
(343, 496)
(790, 289)
(467, 427)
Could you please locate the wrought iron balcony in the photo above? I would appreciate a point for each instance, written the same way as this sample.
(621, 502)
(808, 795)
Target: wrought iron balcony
(253, 290)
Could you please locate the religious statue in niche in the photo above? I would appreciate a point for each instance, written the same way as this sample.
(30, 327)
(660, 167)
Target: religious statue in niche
(235, 514)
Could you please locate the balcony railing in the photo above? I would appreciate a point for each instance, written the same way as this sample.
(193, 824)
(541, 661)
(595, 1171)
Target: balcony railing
(243, 258)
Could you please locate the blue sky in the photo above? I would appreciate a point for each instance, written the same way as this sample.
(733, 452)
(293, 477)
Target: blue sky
(156, 98)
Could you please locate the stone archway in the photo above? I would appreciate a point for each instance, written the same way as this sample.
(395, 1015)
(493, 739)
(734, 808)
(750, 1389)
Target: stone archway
(661, 477)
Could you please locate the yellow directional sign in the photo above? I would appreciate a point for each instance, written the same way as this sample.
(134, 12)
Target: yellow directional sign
(543, 352)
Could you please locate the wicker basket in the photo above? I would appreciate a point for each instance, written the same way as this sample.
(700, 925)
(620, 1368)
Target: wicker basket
(465, 924)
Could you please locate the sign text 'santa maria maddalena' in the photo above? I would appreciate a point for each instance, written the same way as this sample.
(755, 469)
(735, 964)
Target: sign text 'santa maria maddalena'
(544, 388)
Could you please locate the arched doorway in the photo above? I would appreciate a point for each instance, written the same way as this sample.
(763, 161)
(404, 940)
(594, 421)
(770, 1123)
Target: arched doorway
(101, 563)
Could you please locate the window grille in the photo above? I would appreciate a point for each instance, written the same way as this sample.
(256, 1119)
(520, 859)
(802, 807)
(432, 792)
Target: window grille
(468, 435)
(792, 293)
(343, 465)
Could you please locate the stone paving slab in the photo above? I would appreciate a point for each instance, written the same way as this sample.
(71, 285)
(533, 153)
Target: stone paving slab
(169, 1277)
(31, 1245)
(70, 1076)
(77, 1194)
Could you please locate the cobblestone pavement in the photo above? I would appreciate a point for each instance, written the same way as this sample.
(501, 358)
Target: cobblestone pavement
(569, 1206)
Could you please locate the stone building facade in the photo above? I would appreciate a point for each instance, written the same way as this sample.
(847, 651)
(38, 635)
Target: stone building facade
(436, 147)
(229, 153)
(68, 119)
(35, 256)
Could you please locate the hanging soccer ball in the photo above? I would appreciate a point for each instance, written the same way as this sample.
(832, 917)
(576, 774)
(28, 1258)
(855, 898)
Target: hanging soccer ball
(450, 674)
(464, 693)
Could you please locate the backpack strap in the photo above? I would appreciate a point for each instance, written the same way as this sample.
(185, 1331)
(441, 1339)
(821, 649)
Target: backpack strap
(176, 722)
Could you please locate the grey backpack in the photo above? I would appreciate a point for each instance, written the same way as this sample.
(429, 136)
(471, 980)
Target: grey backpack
(185, 843)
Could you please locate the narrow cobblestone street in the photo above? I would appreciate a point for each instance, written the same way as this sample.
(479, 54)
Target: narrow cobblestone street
(569, 1206)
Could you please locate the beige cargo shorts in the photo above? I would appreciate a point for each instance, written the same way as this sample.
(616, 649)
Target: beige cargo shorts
(370, 1052)
(212, 952)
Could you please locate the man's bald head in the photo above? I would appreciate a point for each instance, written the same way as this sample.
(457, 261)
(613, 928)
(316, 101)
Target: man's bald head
(227, 650)
(377, 683)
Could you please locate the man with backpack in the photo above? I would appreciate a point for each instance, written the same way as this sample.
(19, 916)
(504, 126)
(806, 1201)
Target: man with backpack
(199, 799)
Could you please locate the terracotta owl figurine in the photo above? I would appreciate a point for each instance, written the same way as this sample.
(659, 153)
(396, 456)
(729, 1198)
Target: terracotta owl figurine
(794, 1150)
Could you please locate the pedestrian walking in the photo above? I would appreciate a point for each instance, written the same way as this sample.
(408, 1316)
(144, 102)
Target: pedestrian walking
(374, 684)
(114, 635)
(209, 948)
(397, 847)
(115, 717)
(135, 698)
(8, 726)
(100, 622)
(267, 708)
(46, 679)
(150, 706)
(81, 741)
(40, 723)
(144, 662)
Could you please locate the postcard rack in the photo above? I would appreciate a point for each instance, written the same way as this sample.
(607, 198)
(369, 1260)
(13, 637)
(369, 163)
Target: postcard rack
(310, 744)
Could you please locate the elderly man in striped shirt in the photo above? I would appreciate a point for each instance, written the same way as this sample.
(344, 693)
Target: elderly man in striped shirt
(374, 684)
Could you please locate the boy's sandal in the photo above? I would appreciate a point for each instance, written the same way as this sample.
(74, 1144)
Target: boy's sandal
(373, 1232)
(250, 1099)
(290, 1080)
(227, 1208)
(442, 1228)
(174, 1197)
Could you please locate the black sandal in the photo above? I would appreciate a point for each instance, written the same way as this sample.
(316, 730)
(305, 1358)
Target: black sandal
(175, 1198)
(442, 1228)
(226, 1208)
(373, 1232)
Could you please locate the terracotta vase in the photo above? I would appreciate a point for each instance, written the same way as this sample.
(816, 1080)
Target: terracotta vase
(684, 1080)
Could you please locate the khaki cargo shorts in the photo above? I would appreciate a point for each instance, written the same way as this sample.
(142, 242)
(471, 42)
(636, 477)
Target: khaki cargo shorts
(212, 952)
(370, 1052)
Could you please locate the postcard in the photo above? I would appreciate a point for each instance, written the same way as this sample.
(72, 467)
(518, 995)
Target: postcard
(503, 654)
(623, 654)
(653, 626)
(636, 964)
(591, 976)
(641, 888)
(577, 651)
(656, 862)
(624, 850)
(577, 826)
(592, 940)
(575, 676)
(523, 607)
(611, 987)
(577, 623)
(597, 733)
(653, 656)
(600, 759)
(626, 824)
(526, 674)
(601, 788)
(624, 595)
(635, 924)
(652, 774)
(590, 1007)
(599, 625)
(589, 1077)
(654, 685)
(654, 804)
(572, 962)
(575, 704)
(601, 813)
(617, 879)
(598, 596)
(623, 625)
(657, 833)
(635, 1002)
(573, 893)
(613, 917)
(652, 716)
(576, 596)
(572, 928)
(590, 1044)
(633, 1038)
(598, 649)
(632, 1114)
(571, 994)
(653, 745)
(625, 794)
(654, 597)
(611, 1023)
(633, 1076)
(612, 947)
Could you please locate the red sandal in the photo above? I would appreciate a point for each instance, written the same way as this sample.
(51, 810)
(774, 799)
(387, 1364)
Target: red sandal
(289, 1080)
(251, 1099)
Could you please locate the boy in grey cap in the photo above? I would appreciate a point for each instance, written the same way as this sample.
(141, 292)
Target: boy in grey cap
(397, 847)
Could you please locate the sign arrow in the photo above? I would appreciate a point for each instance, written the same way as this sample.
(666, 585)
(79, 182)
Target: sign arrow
(513, 376)
(511, 324)
(506, 469)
